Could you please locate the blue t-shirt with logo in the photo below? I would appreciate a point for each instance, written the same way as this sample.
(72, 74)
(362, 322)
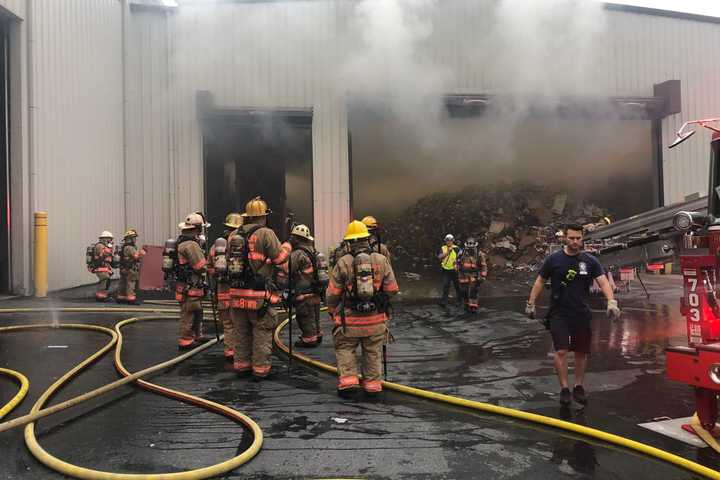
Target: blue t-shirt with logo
(571, 277)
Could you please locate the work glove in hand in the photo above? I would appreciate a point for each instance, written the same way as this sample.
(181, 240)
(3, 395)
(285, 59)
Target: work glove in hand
(530, 310)
(613, 311)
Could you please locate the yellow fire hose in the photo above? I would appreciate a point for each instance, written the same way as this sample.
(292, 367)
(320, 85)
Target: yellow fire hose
(518, 414)
(80, 472)
(15, 401)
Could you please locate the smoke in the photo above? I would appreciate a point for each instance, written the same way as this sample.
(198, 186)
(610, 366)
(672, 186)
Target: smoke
(395, 60)
(529, 56)
(389, 67)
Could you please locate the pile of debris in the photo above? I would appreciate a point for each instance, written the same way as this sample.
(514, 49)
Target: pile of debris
(514, 223)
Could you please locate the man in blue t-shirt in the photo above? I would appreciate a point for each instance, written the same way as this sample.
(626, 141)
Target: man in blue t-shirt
(571, 272)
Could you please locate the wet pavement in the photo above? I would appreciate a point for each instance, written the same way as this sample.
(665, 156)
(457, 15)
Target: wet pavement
(496, 356)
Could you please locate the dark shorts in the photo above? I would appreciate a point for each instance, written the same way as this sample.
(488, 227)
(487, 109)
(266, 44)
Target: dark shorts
(571, 333)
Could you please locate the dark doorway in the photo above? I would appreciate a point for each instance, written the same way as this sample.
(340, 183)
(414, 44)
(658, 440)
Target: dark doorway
(5, 257)
(258, 152)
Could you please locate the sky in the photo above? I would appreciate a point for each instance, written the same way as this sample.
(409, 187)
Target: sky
(701, 7)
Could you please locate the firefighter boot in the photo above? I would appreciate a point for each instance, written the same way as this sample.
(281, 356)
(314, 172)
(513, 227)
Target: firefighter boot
(198, 327)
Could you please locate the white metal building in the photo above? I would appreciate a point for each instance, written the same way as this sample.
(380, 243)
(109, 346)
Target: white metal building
(102, 113)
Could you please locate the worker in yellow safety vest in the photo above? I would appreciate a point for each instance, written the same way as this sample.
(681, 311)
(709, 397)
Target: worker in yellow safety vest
(448, 256)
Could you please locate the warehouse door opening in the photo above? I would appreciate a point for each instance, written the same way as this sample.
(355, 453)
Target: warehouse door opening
(457, 174)
(249, 153)
(5, 253)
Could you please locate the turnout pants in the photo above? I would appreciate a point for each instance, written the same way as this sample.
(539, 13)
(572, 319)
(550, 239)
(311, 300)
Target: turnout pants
(225, 314)
(103, 288)
(470, 292)
(371, 339)
(253, 341)
(191, 315)
(128, 282)
(307, 314)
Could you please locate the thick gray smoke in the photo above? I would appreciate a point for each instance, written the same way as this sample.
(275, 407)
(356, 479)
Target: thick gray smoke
(389, 66)
(529, 55)
(394, 61)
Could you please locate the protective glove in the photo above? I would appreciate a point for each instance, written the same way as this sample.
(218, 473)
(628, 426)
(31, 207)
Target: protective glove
(613, 311)
(530, 310)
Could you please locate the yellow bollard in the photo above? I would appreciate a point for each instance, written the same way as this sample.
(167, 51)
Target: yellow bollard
(41, 254)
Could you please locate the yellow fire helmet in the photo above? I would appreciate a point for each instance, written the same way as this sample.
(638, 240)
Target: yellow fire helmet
(356, 230)
(257, 207)
(130, 233)
(233, 220)
(371, 222)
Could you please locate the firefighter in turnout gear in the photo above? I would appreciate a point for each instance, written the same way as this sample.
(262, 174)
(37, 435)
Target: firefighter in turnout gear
(308, 279)
(254, 255)
(217, 268)
(376, 244)
(130, 258)
(361, 284)
(190, 286)
(472, 270)
(100, 263)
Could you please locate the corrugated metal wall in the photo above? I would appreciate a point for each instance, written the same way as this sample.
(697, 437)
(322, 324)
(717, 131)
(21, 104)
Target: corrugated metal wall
(16, 7)
(149, 170)
(76, 105)
(287, 54)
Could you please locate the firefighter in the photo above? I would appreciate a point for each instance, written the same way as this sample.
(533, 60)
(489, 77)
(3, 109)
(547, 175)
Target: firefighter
(101, 264)
(222, 286)
(306, 284)
(472, 270)
(375, 243)
(189, 288)
(130, 258)
(254, 256)
(361, 284)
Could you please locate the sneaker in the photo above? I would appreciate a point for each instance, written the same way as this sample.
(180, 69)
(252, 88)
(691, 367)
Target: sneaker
(579, 395)
(565, 399)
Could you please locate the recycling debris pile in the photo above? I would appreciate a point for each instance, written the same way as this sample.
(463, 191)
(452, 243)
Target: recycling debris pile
(515, 224)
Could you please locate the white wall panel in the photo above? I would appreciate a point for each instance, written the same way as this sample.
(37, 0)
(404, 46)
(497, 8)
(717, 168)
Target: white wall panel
(15, 7)
(76, 127)
(148, 168)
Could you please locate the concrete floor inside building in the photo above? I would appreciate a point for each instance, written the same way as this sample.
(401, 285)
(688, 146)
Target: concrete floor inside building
(497, 356)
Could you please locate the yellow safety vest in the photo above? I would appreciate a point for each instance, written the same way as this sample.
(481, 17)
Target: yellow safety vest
(448, 263)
